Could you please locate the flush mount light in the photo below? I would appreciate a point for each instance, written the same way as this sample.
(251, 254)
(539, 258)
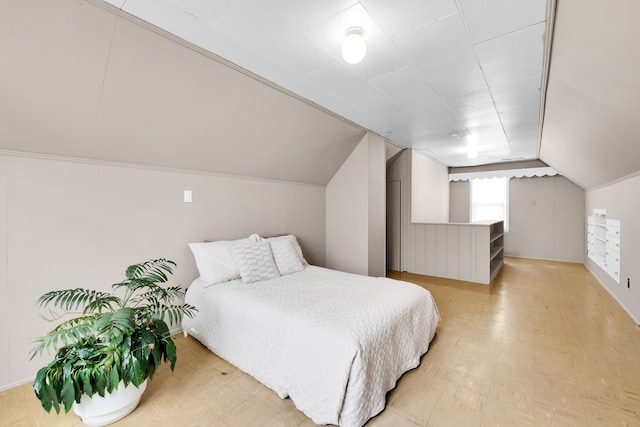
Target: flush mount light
(354, 47)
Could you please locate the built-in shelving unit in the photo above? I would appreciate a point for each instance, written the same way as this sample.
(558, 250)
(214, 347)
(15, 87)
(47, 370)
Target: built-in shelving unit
(496, 248)
(472, 252)
(603, 242)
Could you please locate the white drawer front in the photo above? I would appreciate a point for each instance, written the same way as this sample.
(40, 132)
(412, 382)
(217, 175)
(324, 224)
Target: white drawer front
(613, 242)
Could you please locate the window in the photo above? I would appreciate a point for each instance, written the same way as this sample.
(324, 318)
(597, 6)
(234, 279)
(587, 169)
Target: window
(490, 200)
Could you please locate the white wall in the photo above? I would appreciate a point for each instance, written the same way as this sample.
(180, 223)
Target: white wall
(69, 223)
(377, 207)
(431, 197)
(621, 202)
(5, 304)
(400, 170)
(459, 201)
(102, 85)
(347, 225)
(429, 189)
(355, 218)
(546, 219)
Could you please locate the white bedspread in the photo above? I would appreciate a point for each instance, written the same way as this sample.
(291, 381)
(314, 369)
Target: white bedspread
(333, 342)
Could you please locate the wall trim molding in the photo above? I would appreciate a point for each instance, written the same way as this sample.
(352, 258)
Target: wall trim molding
(166, 169)
(606, 288)
(615, 181)
(508, 173)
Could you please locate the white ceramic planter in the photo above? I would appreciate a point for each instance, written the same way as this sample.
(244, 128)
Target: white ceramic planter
(97, 411)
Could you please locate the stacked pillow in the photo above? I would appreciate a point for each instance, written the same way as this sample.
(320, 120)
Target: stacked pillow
(287, 254)
(255, 261)
(252, 259)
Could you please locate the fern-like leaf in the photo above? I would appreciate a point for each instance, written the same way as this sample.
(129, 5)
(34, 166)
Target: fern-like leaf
(153, 270)
(115, 325)
(72, 330)
(114, 338)
(159, 310)
(86, 300)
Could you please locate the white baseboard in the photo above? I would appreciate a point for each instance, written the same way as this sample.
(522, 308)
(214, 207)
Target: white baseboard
(606, 288)
(5, 387)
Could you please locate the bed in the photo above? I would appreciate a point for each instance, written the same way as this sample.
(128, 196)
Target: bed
(334, 342)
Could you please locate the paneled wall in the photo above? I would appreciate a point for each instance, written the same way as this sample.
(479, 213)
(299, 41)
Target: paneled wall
(546, 217)
(70, 224)
(470, 252)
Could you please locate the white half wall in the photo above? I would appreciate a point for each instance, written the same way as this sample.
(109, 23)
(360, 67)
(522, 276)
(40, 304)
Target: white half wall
(621, 202)
(67, 224)
(355, 218)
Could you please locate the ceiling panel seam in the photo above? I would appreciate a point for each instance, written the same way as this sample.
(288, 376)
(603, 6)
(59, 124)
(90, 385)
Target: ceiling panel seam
(548, 50)
(484, 77)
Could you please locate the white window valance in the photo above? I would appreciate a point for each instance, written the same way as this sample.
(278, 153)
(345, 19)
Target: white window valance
(509, 173)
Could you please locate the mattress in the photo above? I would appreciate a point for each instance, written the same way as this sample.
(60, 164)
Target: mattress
(334, 342)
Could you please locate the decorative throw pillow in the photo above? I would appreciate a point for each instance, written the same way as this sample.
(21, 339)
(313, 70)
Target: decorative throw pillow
(255, 261)
(285, 255)
(294, 241)
(214, 261)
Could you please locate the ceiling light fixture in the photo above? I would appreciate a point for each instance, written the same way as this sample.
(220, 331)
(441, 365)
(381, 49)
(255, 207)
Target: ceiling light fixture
(354, 47)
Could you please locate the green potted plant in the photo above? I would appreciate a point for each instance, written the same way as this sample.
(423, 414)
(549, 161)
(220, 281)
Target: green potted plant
(113, 341)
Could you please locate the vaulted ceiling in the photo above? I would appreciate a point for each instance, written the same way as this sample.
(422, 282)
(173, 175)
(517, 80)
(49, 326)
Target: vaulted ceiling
(80, 81)
(94, 80)
(590, 131)
(438, 74)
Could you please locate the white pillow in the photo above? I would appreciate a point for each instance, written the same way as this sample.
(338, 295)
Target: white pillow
(286, 256)
(294, 242)
(255, 261)
(214, 261)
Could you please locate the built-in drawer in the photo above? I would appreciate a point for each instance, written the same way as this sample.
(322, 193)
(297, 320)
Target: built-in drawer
(613, 242)
(612, 261)
(613, 227)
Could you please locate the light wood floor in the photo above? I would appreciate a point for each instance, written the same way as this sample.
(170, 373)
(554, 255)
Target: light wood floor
(544, 345)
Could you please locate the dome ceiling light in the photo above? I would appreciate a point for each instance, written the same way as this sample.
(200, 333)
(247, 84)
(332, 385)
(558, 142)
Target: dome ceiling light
(354, 47)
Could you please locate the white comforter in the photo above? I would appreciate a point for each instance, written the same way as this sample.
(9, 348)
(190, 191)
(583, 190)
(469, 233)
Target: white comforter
(333, 342)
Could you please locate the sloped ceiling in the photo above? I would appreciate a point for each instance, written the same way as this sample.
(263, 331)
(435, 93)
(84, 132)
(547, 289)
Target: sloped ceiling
(77, 80)
(590, 130)
(81, 81)
(438, 74)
